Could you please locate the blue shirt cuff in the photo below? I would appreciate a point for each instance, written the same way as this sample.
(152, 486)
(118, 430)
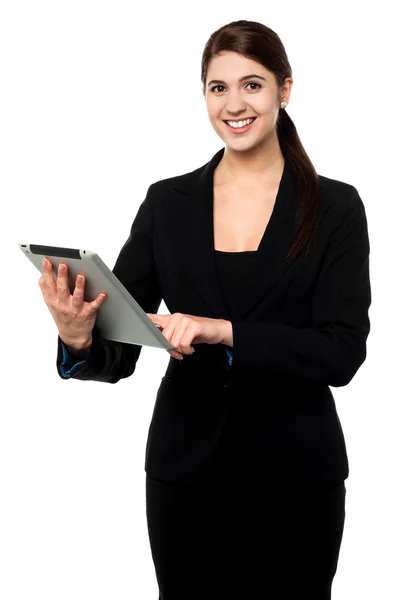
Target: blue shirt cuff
(69, 366)
(230, 355)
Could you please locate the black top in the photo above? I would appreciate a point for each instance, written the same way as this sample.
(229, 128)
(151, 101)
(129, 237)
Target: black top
(235, 276)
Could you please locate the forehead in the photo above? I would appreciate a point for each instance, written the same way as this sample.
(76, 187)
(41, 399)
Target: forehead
(230, 66)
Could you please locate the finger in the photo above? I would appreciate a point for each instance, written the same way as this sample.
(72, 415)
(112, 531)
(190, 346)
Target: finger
(95, 304)
(182, 336)
(168, 332)
(175, 354)
(156, 320)
(78, 292)
(191, 331)
(47, 281)
(62, 283)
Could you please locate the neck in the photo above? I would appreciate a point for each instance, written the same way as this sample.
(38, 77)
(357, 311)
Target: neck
(251, 166)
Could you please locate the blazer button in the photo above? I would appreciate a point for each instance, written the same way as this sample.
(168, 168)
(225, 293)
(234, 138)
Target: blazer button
(228, 383)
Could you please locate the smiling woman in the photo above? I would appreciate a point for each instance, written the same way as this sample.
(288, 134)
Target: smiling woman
(245, 459)
(258, 510)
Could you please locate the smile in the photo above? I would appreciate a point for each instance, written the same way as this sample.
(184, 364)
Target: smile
(240, 129)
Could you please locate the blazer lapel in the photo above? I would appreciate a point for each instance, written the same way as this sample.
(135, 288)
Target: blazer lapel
(196, 238)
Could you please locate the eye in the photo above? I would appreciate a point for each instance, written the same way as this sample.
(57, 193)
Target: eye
(249, 83)
(254, 83)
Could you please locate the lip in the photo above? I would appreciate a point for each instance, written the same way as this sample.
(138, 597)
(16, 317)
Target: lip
(244, 129)
(243, 119)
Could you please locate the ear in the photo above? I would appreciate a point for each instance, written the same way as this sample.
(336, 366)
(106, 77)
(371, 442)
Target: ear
(286, 88)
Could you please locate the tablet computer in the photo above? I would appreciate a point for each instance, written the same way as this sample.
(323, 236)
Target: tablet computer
(120, 318)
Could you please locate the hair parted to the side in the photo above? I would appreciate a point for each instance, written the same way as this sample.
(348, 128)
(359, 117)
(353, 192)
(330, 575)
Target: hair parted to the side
(260, 43)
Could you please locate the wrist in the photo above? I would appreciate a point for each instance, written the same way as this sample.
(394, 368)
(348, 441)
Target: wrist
(78, 348)
(227, 333)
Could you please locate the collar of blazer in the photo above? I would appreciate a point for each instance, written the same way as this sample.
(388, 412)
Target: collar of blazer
(191, 225)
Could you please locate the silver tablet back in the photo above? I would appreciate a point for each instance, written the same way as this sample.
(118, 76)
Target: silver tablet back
(120, 317)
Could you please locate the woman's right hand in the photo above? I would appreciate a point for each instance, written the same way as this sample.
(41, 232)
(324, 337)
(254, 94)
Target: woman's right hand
(74, 317)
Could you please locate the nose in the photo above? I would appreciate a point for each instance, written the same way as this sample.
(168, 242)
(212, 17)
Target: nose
(235, 106)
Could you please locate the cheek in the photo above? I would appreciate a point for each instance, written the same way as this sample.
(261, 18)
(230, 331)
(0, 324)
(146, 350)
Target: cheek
(213, 109)
(266, 110)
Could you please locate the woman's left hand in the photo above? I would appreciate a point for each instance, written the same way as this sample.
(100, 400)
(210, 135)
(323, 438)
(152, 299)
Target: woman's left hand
(183, 330)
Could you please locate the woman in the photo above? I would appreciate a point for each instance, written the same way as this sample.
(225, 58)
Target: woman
(264, 266)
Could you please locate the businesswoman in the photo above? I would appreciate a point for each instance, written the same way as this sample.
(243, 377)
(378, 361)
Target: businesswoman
(264, 267)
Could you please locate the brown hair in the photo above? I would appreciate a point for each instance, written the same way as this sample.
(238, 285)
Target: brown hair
(260, 43)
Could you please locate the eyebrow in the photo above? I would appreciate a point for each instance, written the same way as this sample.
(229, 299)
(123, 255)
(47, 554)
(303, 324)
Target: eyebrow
(240, 80)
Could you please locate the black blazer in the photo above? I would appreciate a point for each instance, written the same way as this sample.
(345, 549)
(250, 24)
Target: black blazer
(300, 329)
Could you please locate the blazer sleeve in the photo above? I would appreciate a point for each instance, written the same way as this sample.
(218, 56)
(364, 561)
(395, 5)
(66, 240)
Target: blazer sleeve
(110, 361)
(333, 349)
(70, 363)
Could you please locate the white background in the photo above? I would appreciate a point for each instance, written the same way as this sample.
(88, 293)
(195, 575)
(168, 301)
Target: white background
(99, 100)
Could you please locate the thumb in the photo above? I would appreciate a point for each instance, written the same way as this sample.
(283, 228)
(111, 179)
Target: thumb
(156, 319)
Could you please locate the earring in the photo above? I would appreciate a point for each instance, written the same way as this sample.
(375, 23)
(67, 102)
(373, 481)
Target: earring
(283, 104)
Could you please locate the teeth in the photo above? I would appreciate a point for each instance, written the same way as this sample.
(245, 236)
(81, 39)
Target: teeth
(239, 124)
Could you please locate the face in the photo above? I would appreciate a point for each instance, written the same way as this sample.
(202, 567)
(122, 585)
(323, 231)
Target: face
(228, 98)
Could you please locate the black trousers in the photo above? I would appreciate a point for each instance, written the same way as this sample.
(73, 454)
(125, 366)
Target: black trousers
(251, 543)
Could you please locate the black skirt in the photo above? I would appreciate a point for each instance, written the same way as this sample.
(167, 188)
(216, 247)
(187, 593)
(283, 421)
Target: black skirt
(244, 543)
